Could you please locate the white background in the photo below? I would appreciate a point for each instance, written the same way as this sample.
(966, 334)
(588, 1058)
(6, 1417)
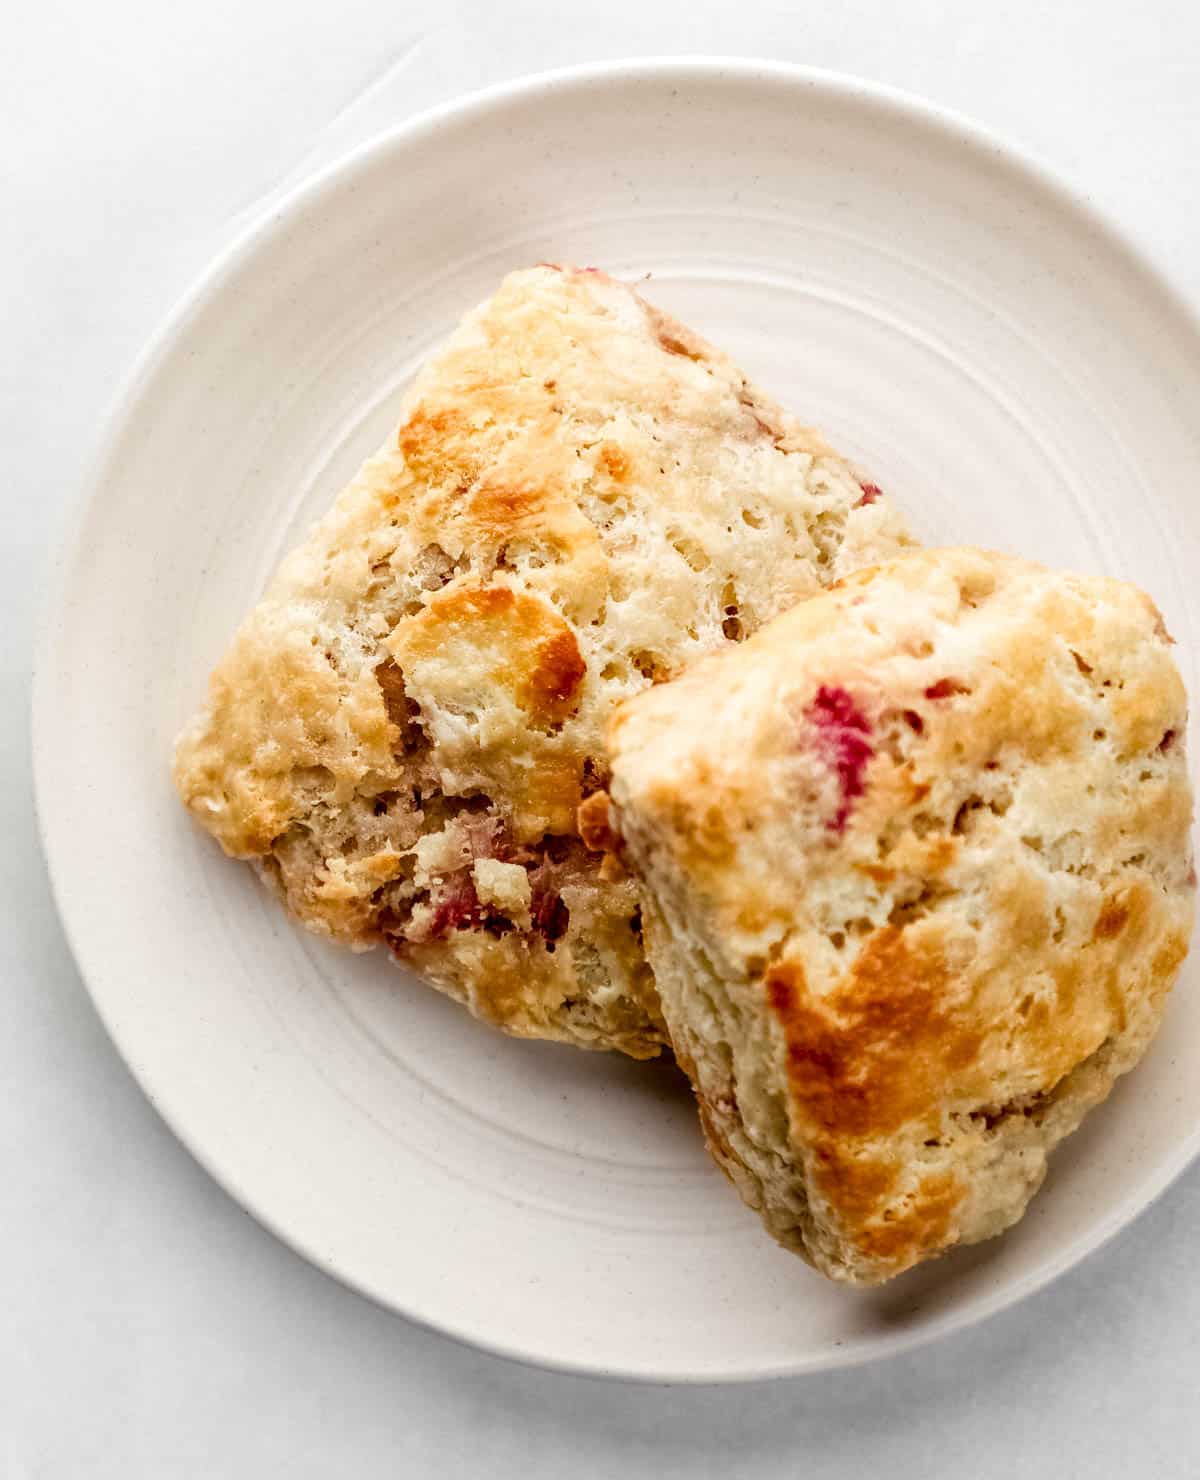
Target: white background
(147, 1326)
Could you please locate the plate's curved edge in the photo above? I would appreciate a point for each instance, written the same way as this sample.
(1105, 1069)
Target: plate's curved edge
(65, 549)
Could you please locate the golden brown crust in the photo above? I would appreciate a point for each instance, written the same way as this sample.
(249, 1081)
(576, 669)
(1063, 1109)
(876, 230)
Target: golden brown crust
(921, 857)
(493, 638)
(877, 1051)
(595, 824)
(581, 496)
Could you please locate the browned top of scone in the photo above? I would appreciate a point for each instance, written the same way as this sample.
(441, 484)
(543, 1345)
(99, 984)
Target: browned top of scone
(930, 831)
(581, 497)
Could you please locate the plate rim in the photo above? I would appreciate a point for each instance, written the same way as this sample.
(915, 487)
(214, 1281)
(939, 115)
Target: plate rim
(64, 550)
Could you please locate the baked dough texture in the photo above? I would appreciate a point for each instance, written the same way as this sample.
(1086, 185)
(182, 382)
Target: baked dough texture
(582, 497)
(919, 880)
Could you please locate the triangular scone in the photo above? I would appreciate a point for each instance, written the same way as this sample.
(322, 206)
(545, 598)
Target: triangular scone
(918, 880)
(581, 498)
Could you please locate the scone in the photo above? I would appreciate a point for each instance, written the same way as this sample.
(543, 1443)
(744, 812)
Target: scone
(581, 497)
(918, 882)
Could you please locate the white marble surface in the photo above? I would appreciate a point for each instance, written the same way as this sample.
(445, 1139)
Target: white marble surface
(149, 1327)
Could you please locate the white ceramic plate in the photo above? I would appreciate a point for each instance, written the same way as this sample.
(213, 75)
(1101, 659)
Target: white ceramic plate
(954, 319)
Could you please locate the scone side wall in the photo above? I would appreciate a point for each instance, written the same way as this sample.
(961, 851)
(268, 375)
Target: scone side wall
(581, 498)
(921, 848)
